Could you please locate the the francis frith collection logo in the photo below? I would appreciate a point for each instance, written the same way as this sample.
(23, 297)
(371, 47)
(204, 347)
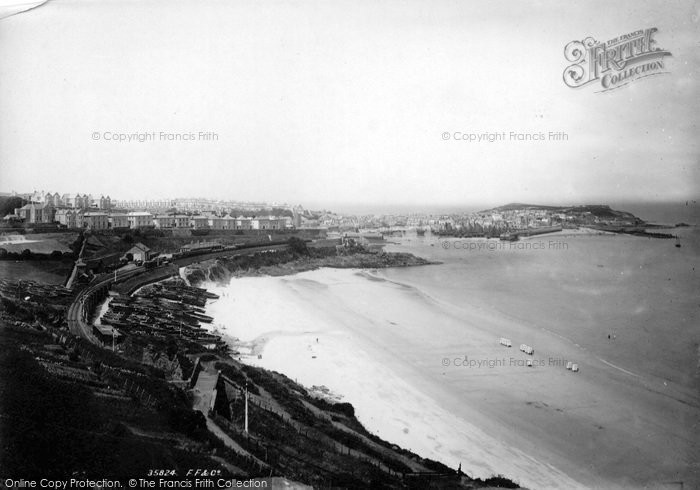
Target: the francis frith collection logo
(614, 63)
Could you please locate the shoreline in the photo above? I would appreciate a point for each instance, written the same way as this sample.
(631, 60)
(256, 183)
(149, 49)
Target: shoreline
(225, 270)
(360, 262)
(380, 343)
(352, 369)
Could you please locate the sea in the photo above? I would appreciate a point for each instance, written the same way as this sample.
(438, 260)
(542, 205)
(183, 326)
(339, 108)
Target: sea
(416, 350)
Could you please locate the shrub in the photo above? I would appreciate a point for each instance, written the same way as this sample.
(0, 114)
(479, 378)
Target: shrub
(298, 246)
(343, 408)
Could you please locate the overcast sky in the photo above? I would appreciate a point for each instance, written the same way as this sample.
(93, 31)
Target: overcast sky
(329, 103)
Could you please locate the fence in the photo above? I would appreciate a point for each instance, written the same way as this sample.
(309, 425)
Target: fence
(127, 385)
(308, 432)
(195, 373)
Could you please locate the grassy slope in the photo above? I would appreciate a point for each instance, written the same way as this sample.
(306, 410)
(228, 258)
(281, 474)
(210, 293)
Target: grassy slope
(50, 426)
(45, 271)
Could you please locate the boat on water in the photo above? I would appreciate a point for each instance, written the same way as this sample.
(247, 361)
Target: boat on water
(678, 241)
(510, 237)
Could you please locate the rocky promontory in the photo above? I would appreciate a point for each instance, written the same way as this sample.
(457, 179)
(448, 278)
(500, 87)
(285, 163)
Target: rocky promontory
(294, 260)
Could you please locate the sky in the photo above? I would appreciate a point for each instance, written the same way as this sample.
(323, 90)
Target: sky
(344, 103)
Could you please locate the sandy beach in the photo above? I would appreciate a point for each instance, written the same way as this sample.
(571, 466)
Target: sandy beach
(416, 351)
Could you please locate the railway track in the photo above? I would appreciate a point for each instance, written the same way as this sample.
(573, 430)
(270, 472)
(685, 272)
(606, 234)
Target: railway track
(78, 321)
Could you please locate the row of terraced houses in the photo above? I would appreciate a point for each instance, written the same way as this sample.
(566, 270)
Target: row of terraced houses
(83, 211)
(33, 213)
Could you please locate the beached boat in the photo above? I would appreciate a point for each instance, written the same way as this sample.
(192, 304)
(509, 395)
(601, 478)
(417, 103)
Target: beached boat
(527, 349)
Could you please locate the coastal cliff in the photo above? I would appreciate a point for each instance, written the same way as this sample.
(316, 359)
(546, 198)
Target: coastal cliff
(297, 259)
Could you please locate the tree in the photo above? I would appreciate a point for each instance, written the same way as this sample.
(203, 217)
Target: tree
(26, 254)
(129, 256)
(9, 204)
(56, 255)
(298, 246)
(281, 212)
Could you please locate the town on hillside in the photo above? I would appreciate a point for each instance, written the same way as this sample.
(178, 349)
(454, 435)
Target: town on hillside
(48, 211)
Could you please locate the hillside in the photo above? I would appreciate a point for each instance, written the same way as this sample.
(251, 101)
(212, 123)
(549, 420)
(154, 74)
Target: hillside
(600, 211)
(161, 401)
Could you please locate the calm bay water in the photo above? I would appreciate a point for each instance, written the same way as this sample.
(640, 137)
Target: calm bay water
(642, 292)
(625, 308)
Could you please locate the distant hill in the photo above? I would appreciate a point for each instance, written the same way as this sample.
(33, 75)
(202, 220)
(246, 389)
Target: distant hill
(517, 205)
(599, 210)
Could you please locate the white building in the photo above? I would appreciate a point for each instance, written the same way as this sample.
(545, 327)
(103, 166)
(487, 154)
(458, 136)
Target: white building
(68, 217)
(164, 221)
(268, 223)
(199, 222)
(182, 221)
(95, 221)
(141, 252)
(243, 223)
(119, 220)
(140, 219)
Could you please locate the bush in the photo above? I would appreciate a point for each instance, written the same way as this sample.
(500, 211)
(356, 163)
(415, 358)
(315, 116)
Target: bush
(500, 482)
(298, 246)
(236, 376)
(343, 408)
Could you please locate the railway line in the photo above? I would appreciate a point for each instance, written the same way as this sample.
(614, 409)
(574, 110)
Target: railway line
(78, 315)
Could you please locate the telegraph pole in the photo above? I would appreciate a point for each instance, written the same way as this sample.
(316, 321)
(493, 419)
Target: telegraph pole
(246, 407)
